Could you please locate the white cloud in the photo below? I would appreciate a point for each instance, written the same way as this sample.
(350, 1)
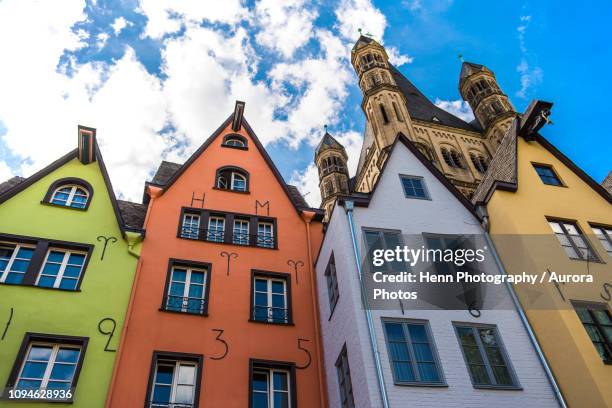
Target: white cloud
(530, 75)
(119, 24)
(459, 108)
(286, 25)
(102, 39)
(167, 16)
(396, 58)
(353, 15)
(412, 5)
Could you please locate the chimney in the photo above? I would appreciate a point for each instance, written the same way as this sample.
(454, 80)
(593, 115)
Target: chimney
(87, 142)
(238, 112)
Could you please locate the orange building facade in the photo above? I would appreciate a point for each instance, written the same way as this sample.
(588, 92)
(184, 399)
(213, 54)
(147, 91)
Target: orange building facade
(223, 310)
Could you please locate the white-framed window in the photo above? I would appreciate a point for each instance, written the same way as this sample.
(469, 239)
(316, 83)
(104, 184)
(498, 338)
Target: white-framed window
(265, 234)
(414, 187)
(187, 290)
(216, 229)
(238, 182)
(270, 300)
(61, 269)
(222, 182)
(70, 195)
(271, 388)
(241, 232)
(604, 235)
(14, 262)
(48, 366)
(174, 384)
(572, 240)
(191, 226)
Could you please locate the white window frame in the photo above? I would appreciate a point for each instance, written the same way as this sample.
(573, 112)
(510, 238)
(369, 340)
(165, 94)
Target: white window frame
(190, 235)
(187, 283)
(264, 243)
(234, 141)
(235, 175)
(63, 265)
(239, 227)
(269, 372)
(4, 274)
(175, 383)
(604, 235)
(269, 280)
(214, 237)
(73, 191)
(50, 363)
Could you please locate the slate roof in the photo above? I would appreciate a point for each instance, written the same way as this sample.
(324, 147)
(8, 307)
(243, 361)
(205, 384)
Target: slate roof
(607, 183)
(133, 214)
(10, 183)
(167, 169)
(328, 141)
(423, 109)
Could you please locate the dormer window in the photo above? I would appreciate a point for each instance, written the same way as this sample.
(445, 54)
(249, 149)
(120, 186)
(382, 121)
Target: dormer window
(69, 192)
(232, 178)
(235, 140)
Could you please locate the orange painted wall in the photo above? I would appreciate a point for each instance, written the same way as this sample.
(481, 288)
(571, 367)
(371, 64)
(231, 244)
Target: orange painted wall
(225, 383)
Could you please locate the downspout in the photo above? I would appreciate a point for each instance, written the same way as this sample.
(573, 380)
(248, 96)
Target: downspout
(486, 223)
(307, 216)
(154, 192)
(348, 207)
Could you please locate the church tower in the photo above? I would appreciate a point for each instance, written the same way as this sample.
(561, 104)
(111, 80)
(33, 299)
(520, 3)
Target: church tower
(331, 160)
(383, 102)
(492, 108)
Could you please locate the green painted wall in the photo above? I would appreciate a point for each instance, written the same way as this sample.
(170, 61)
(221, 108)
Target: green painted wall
(105, 288)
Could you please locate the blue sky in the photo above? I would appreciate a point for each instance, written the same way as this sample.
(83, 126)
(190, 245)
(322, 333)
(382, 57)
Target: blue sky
(156, 77)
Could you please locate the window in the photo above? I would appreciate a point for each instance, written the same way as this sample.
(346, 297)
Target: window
(479, 162)
(191, 226)
(216, 229)
(241, 232)
(187, 287)
(272, 384)
(61, 269)
(603, 234)
(344, 380)
(175, 380)
(398, 114)
(414, 187)
(332, 283)
(571, 239)
(271, 298)
(232, 178)
(14, 262)
(234, 140)
(383, 112)
(547, 175)
(383, 239)
(265, 234)
(48, 362)
(70, 196)
(597, 322)
(411, 353)
(424, 150)
(485, 357)
(452, 158)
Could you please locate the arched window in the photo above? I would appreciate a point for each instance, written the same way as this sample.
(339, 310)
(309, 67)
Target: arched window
(235, 140)
(452, 157)
(232, 178)
(69, 192)
(480, 162)
(384, 113)
(424, 150)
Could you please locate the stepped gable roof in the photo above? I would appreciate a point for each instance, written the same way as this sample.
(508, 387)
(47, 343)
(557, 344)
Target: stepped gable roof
(421, 108)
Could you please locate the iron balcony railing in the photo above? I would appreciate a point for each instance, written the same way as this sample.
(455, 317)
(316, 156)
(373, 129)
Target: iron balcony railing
(262, 240)
(270, 314)
(185, 304)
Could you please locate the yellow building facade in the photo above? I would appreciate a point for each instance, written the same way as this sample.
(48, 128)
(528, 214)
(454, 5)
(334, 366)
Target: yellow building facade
(546, 215)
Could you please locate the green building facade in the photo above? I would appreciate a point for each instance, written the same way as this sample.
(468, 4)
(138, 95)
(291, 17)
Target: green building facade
(68, 255)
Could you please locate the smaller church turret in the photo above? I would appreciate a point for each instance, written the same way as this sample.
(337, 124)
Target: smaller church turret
(331, 160)
(492, 108)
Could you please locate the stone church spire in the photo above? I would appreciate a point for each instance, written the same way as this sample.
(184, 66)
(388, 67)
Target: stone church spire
(331, 160)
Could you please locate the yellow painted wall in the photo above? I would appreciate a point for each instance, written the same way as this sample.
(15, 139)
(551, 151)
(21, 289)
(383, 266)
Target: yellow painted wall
(583, 377)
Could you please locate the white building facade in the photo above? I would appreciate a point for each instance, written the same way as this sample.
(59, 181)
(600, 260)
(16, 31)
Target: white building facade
(428, 358)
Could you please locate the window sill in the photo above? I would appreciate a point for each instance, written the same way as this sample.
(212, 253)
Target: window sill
(235, 147)
(227, 243)
(40, 287)
(64, 206)
(598, 261)
(230, 190)
(271, 323)
(203, 314)
(498, 387)
(417, 198)
(420, 384)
